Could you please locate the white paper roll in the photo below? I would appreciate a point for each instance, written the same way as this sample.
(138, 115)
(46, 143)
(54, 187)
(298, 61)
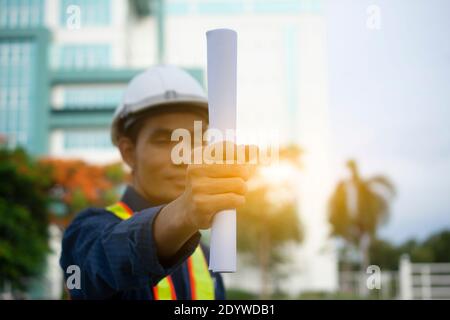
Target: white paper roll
(221, 66)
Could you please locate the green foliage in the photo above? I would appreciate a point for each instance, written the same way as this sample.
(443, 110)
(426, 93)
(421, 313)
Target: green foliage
(322, 295)
(259, 218)
(439, 245)
(115, 173)
(436, 248)
(79, 200)
(417, 252)
(236, 294)
(384, 254)
(263, 228)
(264, 225)
(23, 218)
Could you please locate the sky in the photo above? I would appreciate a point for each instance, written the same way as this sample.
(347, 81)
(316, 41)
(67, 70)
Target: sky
(389, 97)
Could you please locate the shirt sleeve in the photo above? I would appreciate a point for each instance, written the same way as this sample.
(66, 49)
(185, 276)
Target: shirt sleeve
(115, 255)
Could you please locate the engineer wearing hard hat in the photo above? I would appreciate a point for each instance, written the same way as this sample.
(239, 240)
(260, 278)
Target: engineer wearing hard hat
(147, 246)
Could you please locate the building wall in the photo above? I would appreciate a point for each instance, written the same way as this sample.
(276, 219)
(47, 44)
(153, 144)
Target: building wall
(101, 43)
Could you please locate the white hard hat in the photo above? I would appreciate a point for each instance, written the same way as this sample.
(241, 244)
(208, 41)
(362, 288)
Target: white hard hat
(156, 87)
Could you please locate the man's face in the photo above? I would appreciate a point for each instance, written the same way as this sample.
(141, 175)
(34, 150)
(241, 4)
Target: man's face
(154, 173)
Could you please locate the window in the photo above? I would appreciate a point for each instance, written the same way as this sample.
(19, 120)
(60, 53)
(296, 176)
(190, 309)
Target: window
(21, 13)
(16, 93)
(91, 98)
(98, 139)
(225, 7)
(93, 13)
(75, 56)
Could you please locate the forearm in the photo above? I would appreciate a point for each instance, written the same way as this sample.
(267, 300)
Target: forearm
(171, 230)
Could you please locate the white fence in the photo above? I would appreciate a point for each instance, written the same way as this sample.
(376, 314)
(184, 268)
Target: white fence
(423, 280)
(354, 284)
(412, 281)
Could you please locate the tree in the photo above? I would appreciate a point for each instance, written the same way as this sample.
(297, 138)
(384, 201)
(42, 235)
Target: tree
(23, 218)
(358, 207)
(76, 185)
(439, 245)
(384, 254)
(436, 248)
(268, 221)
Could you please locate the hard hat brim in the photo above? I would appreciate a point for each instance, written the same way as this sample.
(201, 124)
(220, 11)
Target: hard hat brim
(123, 122)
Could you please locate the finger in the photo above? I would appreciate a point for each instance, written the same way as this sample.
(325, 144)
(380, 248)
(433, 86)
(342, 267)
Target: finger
(224, 201)
(219, 170)
(209, 185)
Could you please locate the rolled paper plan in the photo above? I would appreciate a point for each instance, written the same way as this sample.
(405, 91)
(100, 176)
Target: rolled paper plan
(221, 66)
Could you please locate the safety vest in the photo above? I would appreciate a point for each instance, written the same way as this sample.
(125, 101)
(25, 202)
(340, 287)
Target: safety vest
(200, 280)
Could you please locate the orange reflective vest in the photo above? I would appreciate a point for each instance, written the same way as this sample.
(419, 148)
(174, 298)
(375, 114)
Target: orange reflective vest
(200, 280)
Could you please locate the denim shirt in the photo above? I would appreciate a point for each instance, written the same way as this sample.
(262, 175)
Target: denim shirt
(117, 258)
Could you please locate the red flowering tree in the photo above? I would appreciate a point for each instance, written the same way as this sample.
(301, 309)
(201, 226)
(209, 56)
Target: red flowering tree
(77, 185)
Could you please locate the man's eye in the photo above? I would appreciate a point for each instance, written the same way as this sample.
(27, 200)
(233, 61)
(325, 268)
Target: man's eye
(161, 140)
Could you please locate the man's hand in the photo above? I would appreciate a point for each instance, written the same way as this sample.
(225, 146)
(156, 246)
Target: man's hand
(213, 188)
(210, 188)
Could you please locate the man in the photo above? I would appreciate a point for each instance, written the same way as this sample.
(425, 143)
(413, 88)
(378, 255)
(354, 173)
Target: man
(147, 245)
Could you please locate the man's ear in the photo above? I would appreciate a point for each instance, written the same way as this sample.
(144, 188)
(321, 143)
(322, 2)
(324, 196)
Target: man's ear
(127, 151)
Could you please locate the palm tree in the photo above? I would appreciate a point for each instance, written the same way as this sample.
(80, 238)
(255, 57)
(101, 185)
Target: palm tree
(358, 207)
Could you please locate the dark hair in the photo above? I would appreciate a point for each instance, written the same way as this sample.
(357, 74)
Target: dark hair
(132, 125)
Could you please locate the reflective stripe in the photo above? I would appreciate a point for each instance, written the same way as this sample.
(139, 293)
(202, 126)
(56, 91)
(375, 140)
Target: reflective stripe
(200, 280)
(121, 210)
(165, 290)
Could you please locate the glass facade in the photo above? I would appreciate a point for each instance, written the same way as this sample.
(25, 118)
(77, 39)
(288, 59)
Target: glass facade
(58, 92)
(91, 98)
(92, 13)
(87, 139)
(230, 7)
(81, 56)
(21, 13)
(16, 89)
